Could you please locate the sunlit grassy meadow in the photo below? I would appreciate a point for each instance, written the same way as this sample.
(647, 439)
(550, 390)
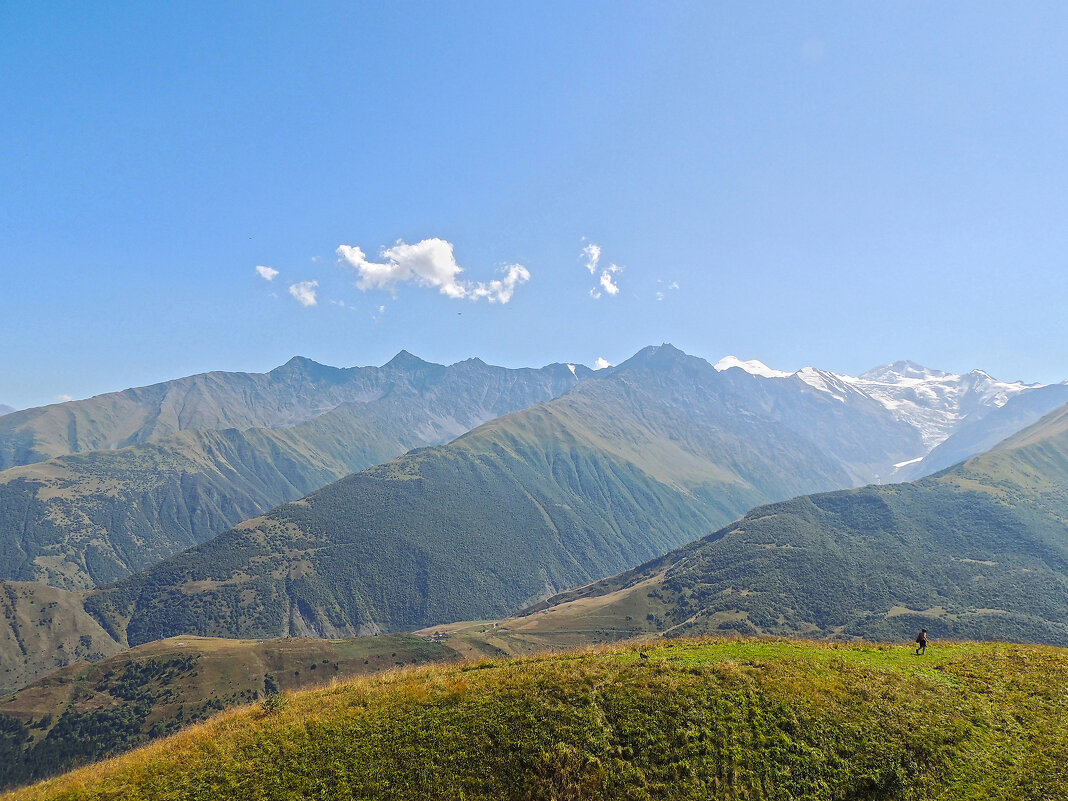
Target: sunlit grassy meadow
(744, 718)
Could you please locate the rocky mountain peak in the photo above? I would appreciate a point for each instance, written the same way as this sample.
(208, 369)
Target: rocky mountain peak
(407, 361)
(896, 371)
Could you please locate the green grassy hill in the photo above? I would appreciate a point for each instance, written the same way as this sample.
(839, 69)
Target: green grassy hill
(978, 551)
(623, 467)
(84, 712)
(695, 720)
(80, 520)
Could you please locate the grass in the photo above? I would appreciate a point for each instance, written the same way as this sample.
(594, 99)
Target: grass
(86, 712)
(747, 718)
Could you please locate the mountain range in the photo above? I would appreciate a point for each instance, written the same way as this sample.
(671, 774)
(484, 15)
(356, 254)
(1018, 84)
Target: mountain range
(104, 487)
(628, 464)
(974, 436)
(930, 405)
(979, 551)
(596, 473)
(4, 409)
(87, 518)
(295, 392)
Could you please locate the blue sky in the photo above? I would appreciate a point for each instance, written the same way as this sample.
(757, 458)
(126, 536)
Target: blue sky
(835, 184)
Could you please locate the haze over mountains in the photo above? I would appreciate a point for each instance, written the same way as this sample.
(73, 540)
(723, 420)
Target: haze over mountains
(931, 403)
(569, 476)
(626, 465)
(218, 448)
(109, 485)
(5, 409)
(297, 391)
(977, 552)
(976, 435)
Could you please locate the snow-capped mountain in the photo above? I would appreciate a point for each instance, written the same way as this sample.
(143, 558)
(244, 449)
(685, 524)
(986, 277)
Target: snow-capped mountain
(752, 367)
(936, 402)
(932, 402)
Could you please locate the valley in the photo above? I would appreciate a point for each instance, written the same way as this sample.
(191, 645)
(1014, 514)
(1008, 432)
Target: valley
(540, 402)
(660, 499)
(977, 552)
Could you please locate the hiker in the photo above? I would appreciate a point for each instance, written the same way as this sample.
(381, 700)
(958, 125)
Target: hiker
(921, 641)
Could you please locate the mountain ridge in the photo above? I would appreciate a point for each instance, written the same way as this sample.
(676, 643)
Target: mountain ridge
(613, 471)
(288, 394)
(978, 551)
(934, 402)
(89, 518)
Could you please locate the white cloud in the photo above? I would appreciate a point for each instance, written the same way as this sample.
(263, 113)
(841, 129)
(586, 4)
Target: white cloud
(500, 291)
(661, 294)
(601, 363)
(429, 263)
(607, 284)
(266, 273)
(592, 253)
(64, 398)
(304, 292)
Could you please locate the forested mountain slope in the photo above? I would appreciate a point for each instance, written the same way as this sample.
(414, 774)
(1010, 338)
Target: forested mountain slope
(84, 519)
(627, 465)
(979, 551)
(43, 628)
